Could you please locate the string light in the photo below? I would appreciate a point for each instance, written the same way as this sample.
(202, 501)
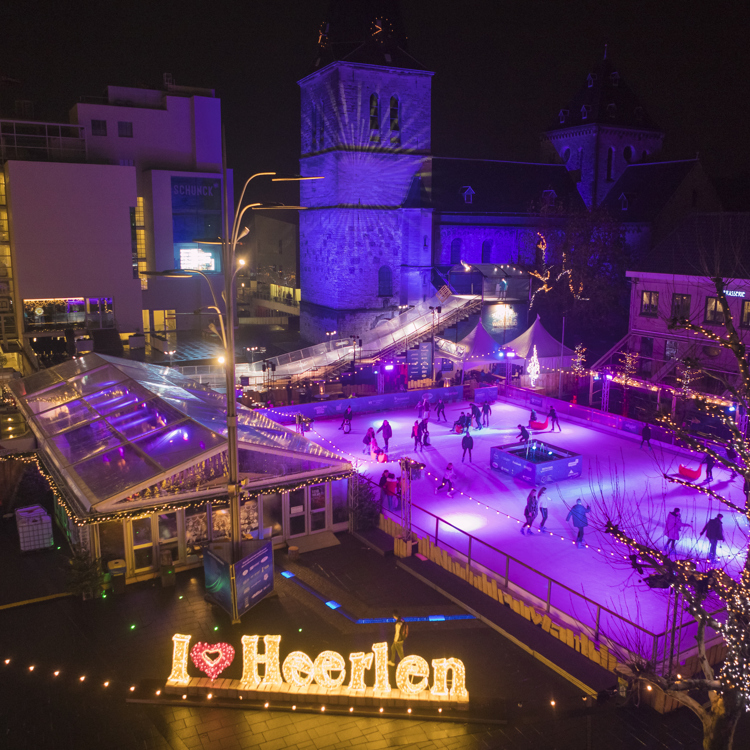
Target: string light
(298, 669)
(360, 662)
(199, 655)
(409, 667)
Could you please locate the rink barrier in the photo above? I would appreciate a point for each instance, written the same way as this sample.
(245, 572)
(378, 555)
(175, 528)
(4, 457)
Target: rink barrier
(579, 642)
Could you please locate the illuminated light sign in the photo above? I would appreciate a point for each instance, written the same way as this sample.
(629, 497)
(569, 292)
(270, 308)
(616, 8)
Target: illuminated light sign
(734, 293)
(503, 317)
(327, 673)
(195, 259)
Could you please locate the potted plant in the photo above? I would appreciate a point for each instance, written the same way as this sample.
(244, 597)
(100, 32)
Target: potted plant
(84, 573)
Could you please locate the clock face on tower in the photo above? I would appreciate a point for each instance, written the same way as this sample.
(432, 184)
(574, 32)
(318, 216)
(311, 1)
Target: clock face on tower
(381, 30)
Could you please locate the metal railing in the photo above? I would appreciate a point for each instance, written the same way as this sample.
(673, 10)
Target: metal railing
(563, 603)
(41, 141)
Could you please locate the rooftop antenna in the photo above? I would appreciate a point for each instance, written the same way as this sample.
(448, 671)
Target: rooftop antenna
(605, 51)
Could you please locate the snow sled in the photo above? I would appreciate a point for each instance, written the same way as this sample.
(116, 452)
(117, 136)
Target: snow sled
(688, 473)
(539, 425)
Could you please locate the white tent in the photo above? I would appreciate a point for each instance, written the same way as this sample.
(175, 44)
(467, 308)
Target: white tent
(549, 351)
(474, 350)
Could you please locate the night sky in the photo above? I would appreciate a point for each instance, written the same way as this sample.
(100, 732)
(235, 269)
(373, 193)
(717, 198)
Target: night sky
(502, 69)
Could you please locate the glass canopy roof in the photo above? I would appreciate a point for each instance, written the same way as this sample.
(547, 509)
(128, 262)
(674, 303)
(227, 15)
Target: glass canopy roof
(116, 427)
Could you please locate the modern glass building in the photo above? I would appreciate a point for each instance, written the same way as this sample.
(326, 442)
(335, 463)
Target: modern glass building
(138, 455)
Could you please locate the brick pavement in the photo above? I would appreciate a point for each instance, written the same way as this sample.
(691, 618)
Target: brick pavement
(39, 711)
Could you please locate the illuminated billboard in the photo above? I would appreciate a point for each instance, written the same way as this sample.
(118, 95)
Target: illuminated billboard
(196, 216)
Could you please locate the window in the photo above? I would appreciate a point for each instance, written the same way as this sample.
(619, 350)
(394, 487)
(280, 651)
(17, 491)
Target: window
(746, 314)
(585, 111)
(467, 193)
(681, 306)
(98, 127)
(610, 162)
(714, 312)
(671, 349)
(650, 304)
(624, 202)
(614, 79)
(125, 129)
(563, 115)
(455, 252)
(374, 117)
(647, 354)
(314, 122)
(486, 251)
(395, 121)
(385, 282)
(628, 152)
(590, 80)
(548, 198)
(611, 111)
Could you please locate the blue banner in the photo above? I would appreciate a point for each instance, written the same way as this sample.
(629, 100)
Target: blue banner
(253, 575)
(218, 580)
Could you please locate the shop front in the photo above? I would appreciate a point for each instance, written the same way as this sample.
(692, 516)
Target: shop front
(137, 455)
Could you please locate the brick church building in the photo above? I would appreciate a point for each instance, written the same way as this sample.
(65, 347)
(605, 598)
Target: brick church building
(391, 217)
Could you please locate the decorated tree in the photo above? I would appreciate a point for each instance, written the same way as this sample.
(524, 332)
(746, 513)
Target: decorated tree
(718, 695)
(532, 368)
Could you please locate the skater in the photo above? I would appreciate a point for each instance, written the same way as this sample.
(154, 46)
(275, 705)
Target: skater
(486, 411)
(710, 463)
(553, 419)
(387, 431)
(416, 433)
(672, 530)
(424, 432)
(467, 443)
(477, 416)
(449, 477)
(368, 438)
(440, 409)
(578, 512)
(347, 420)
(382, 484)
(646, 436)
(460, 423)
(714, 532)
(399, 636)
(732, 457)
(426, 408)
(530, 511)
(541, 499)
(532, 416)
(420, 409)
(391, 491)
(523, 434)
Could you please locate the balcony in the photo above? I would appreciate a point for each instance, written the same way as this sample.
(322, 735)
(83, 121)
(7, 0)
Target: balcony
(41, 141)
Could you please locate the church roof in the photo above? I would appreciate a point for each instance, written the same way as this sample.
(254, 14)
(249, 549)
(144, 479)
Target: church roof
(483, 186)
(642, 190)
(604, 99)
(703, 243)
(368, 32)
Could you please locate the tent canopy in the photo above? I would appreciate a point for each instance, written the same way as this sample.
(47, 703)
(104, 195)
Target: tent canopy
(547, 347)
(478, 348)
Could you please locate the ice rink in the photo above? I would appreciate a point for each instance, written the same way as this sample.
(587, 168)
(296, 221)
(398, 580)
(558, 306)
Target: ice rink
(489, 505)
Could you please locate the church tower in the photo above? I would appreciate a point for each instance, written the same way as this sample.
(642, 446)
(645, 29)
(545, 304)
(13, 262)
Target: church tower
(601, 131)
(366, 129)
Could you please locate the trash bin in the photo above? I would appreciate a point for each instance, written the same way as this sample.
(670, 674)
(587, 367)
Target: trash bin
(34, 528)
(117, 570)
(166, 565)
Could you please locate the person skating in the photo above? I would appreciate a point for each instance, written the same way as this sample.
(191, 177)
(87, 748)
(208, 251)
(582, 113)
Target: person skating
(523, 434)
(578, 513)
(399, 636)
(427, 407)
(714, 532)
(391, 491)
(387, 431)
(367, 439)
(420, 409)
(710, 463)
(672, 529)
(477, 416)
(382, 485)
(424, 432)
(532, 416)
(467, 443)
(347, 418)
(440, 409)
(416, 433)
(553, 420)
(541, 499)
(486, 411)
(530, 511)
(646, 436)
(460, 422)
(449, 478)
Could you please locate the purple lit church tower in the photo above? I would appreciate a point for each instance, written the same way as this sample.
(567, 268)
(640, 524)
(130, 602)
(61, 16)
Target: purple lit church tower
(366, 129)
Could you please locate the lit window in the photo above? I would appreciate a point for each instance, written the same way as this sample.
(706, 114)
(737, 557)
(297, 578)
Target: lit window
(746, 314)
(125, 129)
(681, 306)
(714, 313)
(195, 259)
(98, 127)
(650, 304)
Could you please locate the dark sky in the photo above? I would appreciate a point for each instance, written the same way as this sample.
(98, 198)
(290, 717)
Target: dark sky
(503, 68)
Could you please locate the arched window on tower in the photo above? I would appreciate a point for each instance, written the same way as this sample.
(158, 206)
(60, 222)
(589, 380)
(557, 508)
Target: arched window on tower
(486, 251)
(385, 281)
(395, 118)
(374, 118)
(610, 163)
(455, 252)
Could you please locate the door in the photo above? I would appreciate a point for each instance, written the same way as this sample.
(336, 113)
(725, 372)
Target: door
(317, 512)
(142, 537)
(297, 512)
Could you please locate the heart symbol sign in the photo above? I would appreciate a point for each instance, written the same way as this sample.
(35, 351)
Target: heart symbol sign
(212, 658)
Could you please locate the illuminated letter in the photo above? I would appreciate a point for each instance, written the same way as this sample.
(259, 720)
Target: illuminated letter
(412, 666)
(250, 660)
(294, 666)
(360, 662)
(382, 682)
(179, 672)
(327, 662)
(440, 687)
